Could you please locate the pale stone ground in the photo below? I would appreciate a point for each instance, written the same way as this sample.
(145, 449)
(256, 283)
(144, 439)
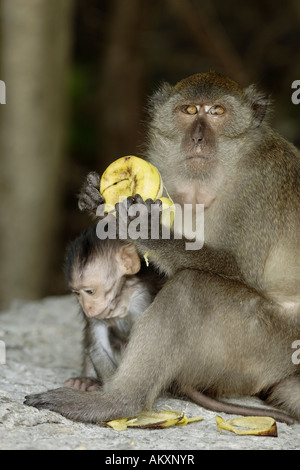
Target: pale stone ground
(42, 342)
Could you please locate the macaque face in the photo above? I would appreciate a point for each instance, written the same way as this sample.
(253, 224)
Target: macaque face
(99, 286)
(200, 123)
(96, 291)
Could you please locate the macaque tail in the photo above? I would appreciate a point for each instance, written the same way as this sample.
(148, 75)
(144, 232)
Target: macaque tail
(220, 406)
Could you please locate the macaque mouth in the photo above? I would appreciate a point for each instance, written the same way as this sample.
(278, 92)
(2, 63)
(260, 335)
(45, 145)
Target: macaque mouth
(198, 157)
(199, 163)
(198, 151)
(198, 160)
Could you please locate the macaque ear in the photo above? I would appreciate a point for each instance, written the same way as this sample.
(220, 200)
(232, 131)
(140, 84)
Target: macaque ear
(259, 104)
(128, 259)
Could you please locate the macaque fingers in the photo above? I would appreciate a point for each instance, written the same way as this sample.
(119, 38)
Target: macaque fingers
(85, 384)
(90, 197)
(148, 213)
(93, 179)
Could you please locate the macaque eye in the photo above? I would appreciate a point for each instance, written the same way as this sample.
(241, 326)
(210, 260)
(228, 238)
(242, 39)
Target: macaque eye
(76, 292)
(90, 291)
(191, 109)
(217, 110)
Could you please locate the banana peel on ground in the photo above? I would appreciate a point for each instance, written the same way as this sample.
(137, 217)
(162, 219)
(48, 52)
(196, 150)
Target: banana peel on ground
(255, 425)
(151, 420)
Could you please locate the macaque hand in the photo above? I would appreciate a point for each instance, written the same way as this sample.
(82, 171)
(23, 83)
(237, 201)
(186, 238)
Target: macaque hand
(89, 197)
(135, 206)
(85, 384)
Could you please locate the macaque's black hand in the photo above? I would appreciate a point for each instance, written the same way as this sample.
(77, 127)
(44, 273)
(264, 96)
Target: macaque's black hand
(89, 197)
(148, 212)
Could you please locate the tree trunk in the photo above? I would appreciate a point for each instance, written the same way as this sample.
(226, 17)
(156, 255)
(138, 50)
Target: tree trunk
(35, 52)
(120, 83)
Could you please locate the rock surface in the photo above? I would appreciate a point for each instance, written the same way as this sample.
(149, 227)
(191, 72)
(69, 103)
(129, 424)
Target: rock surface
(42, 344)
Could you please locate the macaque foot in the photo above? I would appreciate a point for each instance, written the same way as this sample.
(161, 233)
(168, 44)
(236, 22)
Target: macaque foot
(90, 197)
(64, 400)
(85, 384)
(77, 405)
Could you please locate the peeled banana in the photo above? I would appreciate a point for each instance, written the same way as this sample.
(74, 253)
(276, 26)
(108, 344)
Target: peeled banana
(129, 176)
(132, 175)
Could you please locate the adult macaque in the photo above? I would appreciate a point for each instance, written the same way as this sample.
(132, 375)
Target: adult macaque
(225, 321)
(113, 290)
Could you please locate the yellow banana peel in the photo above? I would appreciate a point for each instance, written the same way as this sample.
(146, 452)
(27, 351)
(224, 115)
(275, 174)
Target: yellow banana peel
(131, 175)
(255, 425)
(152, 420)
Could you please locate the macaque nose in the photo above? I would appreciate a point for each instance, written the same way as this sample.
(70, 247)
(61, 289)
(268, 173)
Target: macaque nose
(197, 134)
(197, 140)
(88, 309)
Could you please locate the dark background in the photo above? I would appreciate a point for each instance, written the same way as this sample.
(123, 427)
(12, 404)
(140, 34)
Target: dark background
(78, 73)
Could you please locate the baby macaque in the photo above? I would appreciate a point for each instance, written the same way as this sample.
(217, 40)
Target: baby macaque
(113, 288)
